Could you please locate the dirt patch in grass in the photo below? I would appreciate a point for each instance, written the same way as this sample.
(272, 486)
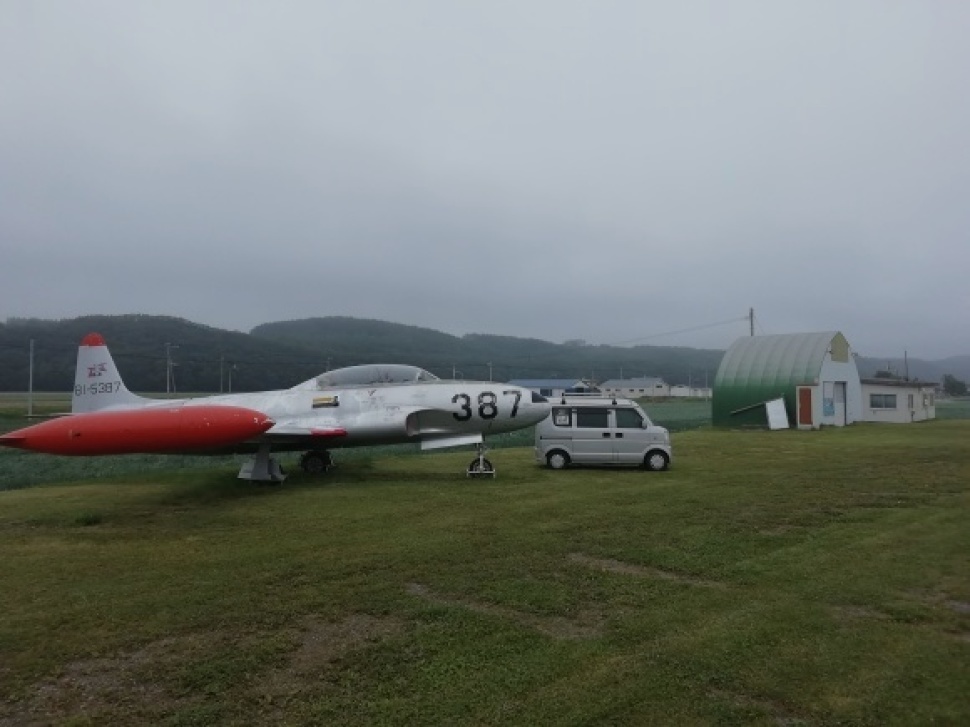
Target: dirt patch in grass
(128, 688)
(860, 612)
(321, 642)
(318, 645)
(586, 625)
(778, 713)
(937, 620)
(630, 569)
(84, 689)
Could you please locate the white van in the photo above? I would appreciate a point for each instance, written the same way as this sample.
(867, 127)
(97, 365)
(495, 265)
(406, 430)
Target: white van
(600, 430)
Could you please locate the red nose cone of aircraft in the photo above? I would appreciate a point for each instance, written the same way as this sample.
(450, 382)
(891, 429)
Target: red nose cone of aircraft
(149, 430)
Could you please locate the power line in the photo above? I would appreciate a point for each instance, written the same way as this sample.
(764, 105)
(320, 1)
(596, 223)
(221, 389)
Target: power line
(682, 330)
(761, 328)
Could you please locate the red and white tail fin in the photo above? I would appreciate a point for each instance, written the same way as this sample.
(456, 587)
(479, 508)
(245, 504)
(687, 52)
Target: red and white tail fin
(97, 383)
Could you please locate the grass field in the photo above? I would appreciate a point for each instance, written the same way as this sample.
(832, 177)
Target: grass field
(784, 578)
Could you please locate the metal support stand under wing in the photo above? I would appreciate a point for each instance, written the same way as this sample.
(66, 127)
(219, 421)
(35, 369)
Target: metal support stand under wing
(262, 467)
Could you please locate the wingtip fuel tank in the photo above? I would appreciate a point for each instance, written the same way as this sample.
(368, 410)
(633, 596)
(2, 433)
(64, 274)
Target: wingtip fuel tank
(142, 431)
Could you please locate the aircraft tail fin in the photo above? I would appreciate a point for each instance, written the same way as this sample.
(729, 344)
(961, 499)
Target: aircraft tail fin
(97, 382)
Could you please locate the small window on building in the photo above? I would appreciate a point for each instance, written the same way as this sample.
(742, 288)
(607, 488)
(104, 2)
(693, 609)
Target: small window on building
(909, 401)
(592, 418)
(545, 392)
(562, 417)
(882, 401)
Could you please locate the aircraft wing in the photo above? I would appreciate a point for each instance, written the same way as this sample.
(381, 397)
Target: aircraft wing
(432, 427)
(295, 429)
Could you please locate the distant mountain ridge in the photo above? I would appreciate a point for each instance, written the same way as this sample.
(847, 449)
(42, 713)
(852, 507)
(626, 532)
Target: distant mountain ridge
(916, 369)
(479, 356)
(284, 353)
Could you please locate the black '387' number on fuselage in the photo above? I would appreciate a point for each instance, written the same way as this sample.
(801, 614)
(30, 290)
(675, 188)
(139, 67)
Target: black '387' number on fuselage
(487, 405)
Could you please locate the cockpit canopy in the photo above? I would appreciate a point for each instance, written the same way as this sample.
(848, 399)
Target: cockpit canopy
(369, 375)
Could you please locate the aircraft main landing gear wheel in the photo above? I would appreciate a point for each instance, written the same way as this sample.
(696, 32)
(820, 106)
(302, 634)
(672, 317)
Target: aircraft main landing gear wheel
(480, 466)
(316, 462)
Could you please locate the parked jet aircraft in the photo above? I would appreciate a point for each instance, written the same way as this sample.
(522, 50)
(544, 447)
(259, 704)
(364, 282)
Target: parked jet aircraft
(349, 407)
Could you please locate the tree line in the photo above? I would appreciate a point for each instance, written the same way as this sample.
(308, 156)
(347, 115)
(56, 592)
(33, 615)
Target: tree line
(280, 355)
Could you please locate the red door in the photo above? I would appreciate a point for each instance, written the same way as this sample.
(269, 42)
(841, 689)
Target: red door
(805, 406)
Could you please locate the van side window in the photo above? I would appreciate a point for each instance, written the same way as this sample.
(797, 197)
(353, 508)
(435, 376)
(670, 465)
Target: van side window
(628, 419)
(593, 418)
(562, 417)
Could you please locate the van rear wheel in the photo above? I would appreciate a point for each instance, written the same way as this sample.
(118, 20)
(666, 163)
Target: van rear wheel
(656, 460)
(557, 459)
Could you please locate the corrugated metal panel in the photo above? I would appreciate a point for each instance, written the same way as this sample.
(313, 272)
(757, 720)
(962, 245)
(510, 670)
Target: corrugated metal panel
(759, 368)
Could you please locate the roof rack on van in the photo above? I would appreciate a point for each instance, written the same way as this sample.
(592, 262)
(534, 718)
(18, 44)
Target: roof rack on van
(591, 394)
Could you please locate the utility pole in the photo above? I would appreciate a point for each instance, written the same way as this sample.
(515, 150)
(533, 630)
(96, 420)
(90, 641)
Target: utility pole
(169, 364)
(30, 382)
(489, 370)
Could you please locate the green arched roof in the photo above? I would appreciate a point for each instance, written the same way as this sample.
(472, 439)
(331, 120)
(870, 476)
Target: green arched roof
(794, 358)
(760, 368)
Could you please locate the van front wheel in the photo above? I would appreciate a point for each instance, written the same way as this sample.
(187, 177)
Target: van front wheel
(557, 459)
(656, 460)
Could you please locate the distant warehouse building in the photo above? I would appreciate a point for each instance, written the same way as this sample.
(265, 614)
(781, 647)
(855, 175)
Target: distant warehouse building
(684, 391)
(636, 388)
(652, 386)
(815, 375)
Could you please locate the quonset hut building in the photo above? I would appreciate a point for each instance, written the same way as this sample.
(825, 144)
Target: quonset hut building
(815, 374)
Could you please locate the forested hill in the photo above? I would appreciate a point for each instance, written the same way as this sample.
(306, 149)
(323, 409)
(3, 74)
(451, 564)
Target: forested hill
(138, 345)
(473, 356)
(279, 355)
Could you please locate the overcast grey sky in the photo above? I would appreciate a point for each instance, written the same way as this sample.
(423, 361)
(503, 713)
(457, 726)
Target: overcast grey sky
(602, 170)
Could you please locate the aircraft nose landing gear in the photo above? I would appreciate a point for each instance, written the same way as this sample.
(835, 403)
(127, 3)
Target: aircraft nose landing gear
(480, 466)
